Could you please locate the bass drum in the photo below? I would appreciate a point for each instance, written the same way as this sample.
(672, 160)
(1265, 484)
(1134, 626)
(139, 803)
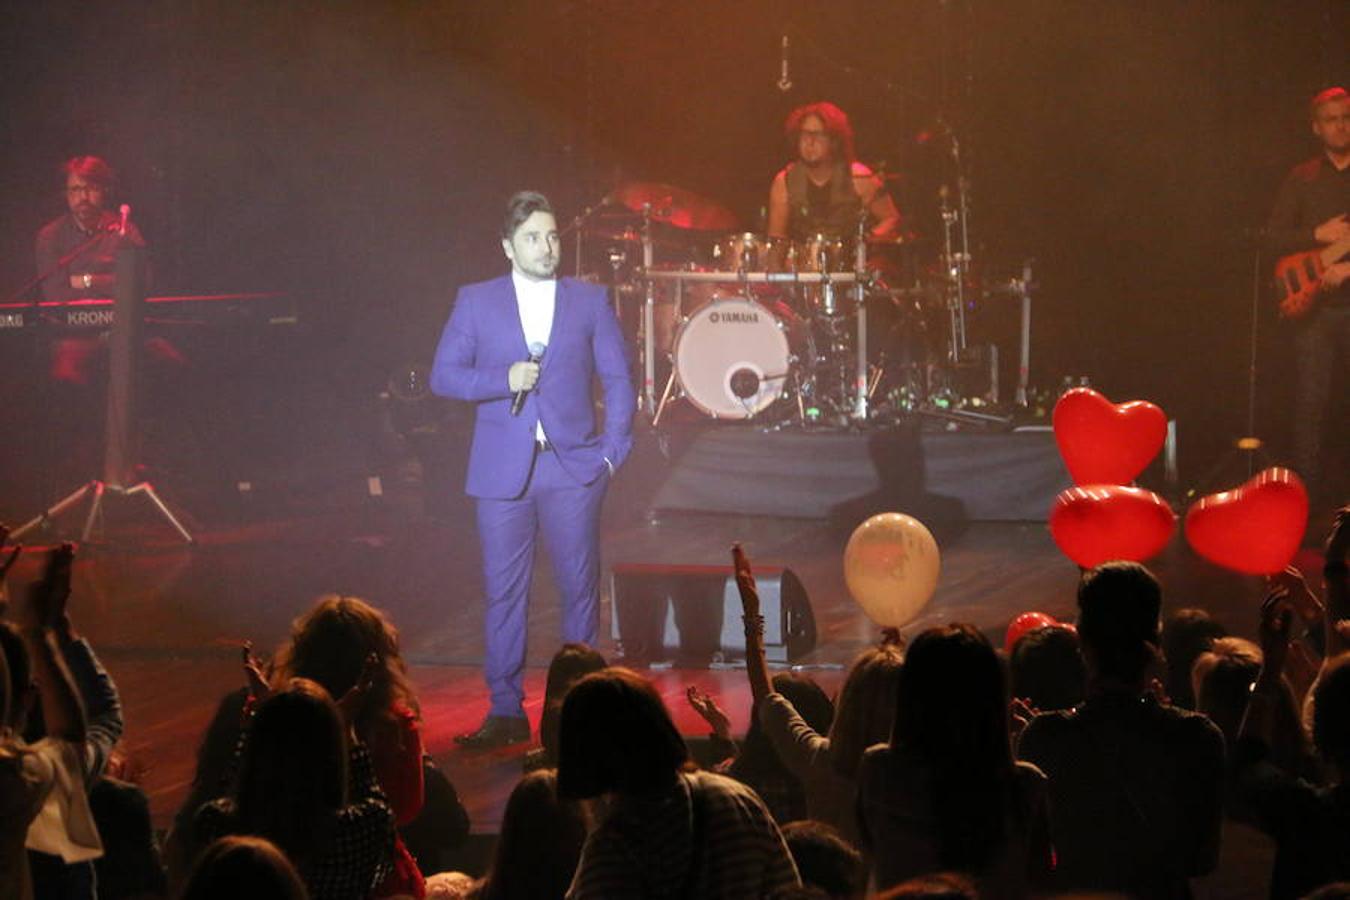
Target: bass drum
(733, 357)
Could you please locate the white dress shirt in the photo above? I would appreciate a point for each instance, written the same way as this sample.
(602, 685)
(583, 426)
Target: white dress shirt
(535, 300)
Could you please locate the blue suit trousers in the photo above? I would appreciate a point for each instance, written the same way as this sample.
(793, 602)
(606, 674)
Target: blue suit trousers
(567, 514)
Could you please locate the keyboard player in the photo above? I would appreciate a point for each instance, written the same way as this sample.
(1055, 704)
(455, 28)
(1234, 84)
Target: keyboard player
(76, 254)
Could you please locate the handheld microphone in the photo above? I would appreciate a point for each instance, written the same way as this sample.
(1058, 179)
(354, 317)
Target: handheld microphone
(536, 354)
(784, 77)
(126, 213)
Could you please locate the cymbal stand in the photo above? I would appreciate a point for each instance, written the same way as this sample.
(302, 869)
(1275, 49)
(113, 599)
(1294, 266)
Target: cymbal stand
(955, 267)
(1023, 287)
(860, 380)
(575, 225)
(648, 317)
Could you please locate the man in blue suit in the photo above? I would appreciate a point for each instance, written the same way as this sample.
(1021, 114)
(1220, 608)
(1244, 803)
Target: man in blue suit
(526, 348)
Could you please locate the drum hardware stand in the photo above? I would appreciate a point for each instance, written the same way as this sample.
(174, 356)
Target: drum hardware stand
(860, 310)
(617, 260)
(956, 265)
(963, 416)
(648, 317)
(1249, 448)
(665, 398)
(1023, 287)
(801, 403)
(580, 219)
(117, 464)
(875, 375)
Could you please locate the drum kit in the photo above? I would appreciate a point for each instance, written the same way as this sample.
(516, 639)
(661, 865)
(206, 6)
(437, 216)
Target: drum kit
(824, 331)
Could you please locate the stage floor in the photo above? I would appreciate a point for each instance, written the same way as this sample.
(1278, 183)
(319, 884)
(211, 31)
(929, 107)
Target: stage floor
(168, 620)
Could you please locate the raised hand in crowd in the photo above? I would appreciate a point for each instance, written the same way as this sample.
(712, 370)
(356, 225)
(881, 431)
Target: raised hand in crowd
(255, 672)
(706, 706)
(756, 669)
(46, 598)
(1301, 668)
(1302, 662)
(1020, 714)
(1301, 597)
(39, 607)
(353, 701)
(5, 565)
(1334, 579)
(1276, 627)
(44, 618)
(1338, 539)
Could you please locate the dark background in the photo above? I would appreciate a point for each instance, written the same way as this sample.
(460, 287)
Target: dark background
(358, 153)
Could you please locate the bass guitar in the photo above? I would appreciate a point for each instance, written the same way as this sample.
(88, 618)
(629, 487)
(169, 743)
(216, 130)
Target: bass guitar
(1298, 277)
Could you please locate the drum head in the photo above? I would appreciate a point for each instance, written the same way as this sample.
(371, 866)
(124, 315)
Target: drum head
(732, 358)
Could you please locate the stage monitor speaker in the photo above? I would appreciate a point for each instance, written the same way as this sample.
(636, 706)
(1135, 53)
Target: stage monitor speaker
(692, 614)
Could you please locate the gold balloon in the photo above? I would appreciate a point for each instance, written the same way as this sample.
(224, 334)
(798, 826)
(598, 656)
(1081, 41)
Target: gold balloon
(891, 566)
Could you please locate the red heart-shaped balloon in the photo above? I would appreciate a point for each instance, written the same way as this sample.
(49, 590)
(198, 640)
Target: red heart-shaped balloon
(1101, 522)
(1255, 528)
(1104, 442)
(1019, 627)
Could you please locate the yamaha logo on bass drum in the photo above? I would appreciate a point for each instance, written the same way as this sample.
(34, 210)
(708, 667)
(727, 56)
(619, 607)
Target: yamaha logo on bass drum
(733, 317)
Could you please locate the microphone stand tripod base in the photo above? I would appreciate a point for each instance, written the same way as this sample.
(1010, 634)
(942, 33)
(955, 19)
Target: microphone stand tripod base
(123, 342)
(98, 490)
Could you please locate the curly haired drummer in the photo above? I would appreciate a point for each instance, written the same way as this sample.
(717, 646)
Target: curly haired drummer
(825, 190)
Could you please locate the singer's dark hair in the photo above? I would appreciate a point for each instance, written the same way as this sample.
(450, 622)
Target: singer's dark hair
(91, 169)
(520, 207)
(836, 125)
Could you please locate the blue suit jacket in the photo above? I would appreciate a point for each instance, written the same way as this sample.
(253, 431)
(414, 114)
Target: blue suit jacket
(478, 346)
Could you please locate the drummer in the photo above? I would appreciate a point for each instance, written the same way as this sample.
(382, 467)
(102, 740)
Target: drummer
(825, 190)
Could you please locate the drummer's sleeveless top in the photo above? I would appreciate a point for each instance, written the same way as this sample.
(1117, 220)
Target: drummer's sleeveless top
(832, 208)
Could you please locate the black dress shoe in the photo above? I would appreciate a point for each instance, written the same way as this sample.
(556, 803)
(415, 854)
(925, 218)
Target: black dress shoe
(496, 731)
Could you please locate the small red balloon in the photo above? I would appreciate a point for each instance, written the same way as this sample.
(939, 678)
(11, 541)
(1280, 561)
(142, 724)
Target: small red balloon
(1255, 528)
(1025, 623)
(1102, 522)
(1104, 442)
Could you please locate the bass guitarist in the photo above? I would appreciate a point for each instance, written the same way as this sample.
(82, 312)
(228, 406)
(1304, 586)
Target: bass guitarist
(1310, 213)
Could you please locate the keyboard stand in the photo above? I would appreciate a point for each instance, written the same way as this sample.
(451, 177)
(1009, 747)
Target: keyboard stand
(123, 347)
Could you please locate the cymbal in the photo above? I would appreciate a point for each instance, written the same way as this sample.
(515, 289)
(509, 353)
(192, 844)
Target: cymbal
(629, 236)
(625, 236)
(896, 240)
(676, 206)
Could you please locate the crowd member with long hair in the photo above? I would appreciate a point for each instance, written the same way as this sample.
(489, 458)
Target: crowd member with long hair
(338, 639)
(298, 758)
(539, 844)
(827, 764)
(945, 794)
(569, 664)
(755, 762)
(334, 643)
(667, 830)
(1310, 823)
